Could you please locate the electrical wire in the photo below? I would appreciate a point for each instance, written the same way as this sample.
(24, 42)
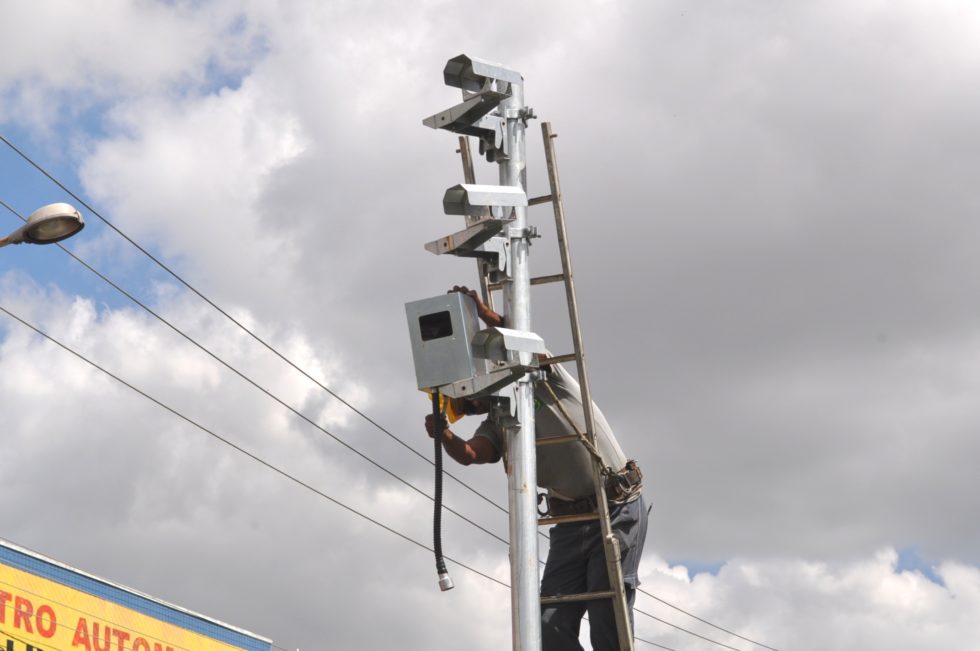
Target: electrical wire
(285, 474)
(255, 384)
(659, 646)
(242, 327)
(328, 433)
(240, 449)
(272, 349)
(238, 323)
(680, 628)
(704, 621)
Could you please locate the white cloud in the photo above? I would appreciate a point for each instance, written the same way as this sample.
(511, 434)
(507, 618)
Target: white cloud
(188, 174)
(136, 477)
(49, 385)
(62, 58)
(797, 604)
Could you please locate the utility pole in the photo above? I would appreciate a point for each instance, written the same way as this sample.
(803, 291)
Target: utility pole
(499, 362)
(522, 480)
(493, 110)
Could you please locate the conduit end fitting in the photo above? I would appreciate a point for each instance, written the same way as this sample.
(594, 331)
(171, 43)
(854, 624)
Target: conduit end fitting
(445, 583)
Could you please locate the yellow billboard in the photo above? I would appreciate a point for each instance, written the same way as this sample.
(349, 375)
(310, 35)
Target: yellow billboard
(47, 606)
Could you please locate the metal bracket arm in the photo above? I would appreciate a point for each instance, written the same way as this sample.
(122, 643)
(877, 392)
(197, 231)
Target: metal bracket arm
(466, 114)
(486, 384)
(468, 243)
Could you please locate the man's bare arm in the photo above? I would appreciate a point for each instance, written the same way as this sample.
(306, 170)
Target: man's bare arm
(477, 450)
(488, 316)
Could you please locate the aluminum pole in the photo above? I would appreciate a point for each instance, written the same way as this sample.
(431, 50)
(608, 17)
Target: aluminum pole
(522, 480)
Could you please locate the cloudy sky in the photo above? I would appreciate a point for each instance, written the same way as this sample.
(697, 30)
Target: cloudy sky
(772, 210)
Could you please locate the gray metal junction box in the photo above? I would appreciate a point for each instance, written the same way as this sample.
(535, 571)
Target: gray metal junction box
(442, 329)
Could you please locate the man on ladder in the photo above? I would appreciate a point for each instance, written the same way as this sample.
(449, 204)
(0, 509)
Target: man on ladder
(576, 561)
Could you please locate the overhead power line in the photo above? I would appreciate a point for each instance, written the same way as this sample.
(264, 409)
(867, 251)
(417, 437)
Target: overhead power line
(238, 323)
(704, 621)
(284, 473)
(659, 646)
(272, 349)
(240, 449)
(256, 385)
(684, 630)
(328, 433)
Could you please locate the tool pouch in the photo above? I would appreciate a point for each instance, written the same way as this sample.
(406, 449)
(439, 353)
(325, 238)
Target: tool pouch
(620, 485)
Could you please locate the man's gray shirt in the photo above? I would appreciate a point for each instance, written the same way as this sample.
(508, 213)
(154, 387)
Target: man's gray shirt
(564, 469)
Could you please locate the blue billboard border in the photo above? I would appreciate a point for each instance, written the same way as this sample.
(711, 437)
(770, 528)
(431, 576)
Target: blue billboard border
(39, 566)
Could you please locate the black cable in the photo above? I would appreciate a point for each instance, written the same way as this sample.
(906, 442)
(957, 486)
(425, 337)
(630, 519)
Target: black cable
(234, 320)
(445, 583)
(257, 385)
(251, 455)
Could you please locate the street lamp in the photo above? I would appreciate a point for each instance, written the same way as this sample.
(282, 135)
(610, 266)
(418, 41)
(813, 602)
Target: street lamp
(47, 225)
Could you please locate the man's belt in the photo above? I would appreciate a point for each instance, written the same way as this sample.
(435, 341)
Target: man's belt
(619, 486)
(558, 507)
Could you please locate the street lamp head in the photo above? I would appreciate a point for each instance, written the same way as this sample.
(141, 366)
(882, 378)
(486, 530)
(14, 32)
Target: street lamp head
(48, 224)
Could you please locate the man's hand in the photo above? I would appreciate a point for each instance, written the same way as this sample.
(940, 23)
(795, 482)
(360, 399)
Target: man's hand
(430, 425)
(488, 316)
(477, 450)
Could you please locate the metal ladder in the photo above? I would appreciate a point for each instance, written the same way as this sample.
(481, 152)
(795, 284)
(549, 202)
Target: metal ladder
(617, 591)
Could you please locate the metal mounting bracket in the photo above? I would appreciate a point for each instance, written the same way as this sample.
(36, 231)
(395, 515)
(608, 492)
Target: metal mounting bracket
(500, 247)
(468, 243)
(464, 117)
(483, 385)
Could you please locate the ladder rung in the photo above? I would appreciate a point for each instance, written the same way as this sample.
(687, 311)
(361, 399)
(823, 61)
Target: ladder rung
(585, 596)
(558, 359)
(534, 201)
(540, 280)
(558, 519)
(555, 440)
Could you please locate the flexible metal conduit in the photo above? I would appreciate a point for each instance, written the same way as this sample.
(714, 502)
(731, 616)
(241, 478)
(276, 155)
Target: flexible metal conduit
(445, 582)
